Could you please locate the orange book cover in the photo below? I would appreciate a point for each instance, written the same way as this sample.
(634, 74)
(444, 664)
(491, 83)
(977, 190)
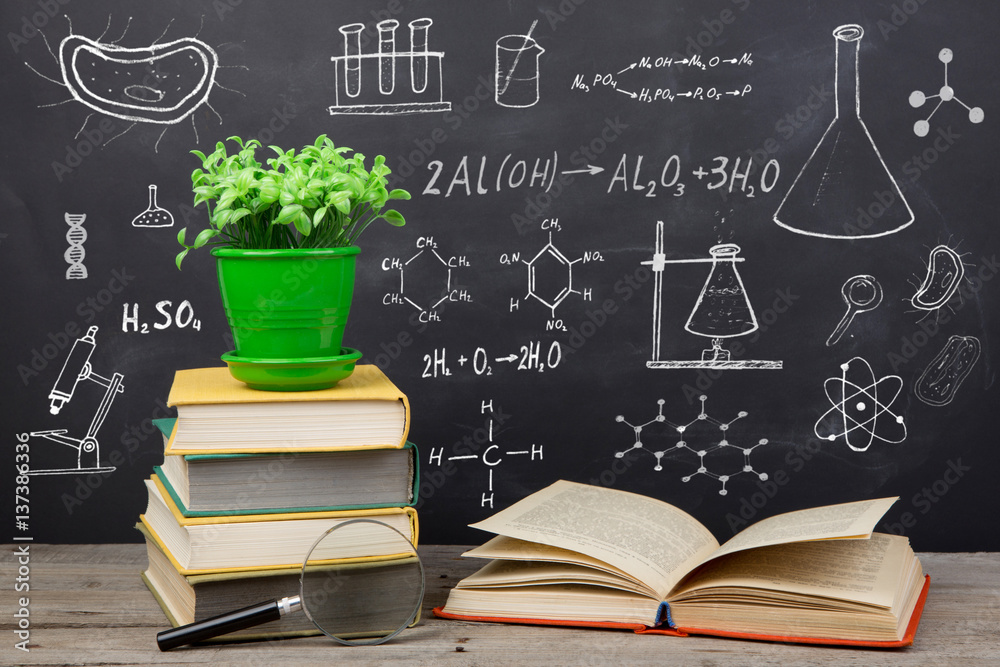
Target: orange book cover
(907, 640)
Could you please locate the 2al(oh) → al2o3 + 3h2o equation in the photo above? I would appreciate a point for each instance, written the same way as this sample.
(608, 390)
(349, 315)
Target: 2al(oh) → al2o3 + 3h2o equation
(638, 174)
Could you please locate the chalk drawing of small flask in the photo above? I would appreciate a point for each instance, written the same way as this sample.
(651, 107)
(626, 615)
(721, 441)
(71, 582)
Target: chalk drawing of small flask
(153, 216)
(517, 71)
(844, 190)
(723, 309)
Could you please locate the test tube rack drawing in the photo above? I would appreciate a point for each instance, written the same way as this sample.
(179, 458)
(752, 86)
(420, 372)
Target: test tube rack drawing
(722, 310)
(356, 72)
(75, 369)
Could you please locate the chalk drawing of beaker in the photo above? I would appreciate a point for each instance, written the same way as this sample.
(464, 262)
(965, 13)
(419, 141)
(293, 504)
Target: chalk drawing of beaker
(352, 49)
(517, 71)
(844, 190)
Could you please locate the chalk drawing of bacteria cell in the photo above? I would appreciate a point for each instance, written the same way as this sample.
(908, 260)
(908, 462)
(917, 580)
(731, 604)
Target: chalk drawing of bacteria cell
(161, 84)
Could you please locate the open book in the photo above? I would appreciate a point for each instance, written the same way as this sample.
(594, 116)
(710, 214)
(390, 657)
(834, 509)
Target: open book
(573, 554)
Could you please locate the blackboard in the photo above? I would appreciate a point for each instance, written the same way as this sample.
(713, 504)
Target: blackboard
(527, 307)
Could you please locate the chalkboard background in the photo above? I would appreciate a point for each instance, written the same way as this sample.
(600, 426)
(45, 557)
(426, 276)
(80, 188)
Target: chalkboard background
(556, 377)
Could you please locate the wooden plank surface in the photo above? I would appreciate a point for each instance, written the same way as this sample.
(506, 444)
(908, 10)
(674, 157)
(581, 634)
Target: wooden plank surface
(88, 607)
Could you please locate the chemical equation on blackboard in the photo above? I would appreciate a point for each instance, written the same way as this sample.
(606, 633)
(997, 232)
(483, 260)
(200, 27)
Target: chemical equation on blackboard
(532, 356)
(492, 456)
(625, 81)
(633, 174)
(427, 280)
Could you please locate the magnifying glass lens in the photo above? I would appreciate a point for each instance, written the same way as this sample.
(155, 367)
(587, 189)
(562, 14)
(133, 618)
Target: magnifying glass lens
(356, 599)
(350, 595)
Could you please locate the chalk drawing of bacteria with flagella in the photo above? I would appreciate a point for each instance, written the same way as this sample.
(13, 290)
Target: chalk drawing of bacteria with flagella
(158, 83)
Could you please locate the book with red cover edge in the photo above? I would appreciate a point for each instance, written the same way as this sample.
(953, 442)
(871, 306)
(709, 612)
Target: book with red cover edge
(638, 628)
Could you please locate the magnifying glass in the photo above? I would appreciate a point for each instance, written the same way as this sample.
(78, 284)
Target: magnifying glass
(350, 597)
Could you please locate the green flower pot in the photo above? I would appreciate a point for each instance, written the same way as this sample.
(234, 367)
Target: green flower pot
(287, 304)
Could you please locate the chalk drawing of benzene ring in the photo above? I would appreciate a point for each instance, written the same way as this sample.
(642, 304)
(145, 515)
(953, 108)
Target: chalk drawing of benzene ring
(87, 65)
(858, 406)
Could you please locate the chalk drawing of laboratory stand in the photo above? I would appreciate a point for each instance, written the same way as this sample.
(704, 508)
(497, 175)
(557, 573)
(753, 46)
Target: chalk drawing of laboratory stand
(722, 310)
(389, 82)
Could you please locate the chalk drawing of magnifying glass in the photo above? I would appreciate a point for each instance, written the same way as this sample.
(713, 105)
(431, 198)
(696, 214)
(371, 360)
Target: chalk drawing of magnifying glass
(861, 294)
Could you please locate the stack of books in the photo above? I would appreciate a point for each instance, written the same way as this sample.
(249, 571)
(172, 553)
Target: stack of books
(251, 479)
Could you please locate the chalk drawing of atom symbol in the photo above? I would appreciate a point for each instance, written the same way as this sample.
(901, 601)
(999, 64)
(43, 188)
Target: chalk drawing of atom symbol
(862, 407)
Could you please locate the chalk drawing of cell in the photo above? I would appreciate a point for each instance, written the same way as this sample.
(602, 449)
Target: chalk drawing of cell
(156, 83)
(944, 275)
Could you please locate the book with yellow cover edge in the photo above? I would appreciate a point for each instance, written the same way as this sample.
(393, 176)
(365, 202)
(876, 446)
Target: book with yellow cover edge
(217, 414)
(197, 545)
(585, 556)
(186, 599)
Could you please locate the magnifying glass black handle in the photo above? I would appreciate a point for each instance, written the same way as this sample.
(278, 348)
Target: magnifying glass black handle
(224, 623)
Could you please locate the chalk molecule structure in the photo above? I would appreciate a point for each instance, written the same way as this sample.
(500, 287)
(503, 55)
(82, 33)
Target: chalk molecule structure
(702, 454)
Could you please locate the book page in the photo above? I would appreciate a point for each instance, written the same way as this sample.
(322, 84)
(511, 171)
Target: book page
(510, 548)
(865, 571)
(847, 520)
(649, 539)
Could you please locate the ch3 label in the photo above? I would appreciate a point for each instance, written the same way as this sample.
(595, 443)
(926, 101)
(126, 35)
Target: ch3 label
(167, 316)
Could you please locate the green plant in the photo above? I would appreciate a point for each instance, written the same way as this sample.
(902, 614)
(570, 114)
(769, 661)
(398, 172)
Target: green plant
(321, 197)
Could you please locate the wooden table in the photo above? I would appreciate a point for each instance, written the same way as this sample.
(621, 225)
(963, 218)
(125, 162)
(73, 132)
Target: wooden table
(88, 606)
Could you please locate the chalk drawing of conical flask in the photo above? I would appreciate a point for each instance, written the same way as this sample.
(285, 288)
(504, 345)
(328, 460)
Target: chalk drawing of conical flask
(844, 190)
(723, 309)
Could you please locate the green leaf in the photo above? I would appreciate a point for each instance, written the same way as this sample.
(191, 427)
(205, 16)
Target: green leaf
(269, 192)
(239, 214)
(319, 215)
(394, 218)
(340, 200)
(222, 217)
(204, 237)
(180, 257)
(303, 223)
(181, 235)
(287, 213)
(399, 194)
(227, 198)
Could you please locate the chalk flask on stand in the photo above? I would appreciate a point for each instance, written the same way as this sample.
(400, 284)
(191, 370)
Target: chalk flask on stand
(723, 309)
(845, 190)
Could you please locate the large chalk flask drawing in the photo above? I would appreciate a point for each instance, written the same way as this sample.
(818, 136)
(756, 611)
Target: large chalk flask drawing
(844, 190)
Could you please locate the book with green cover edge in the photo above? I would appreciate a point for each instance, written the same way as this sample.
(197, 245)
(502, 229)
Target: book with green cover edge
(166, 427)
